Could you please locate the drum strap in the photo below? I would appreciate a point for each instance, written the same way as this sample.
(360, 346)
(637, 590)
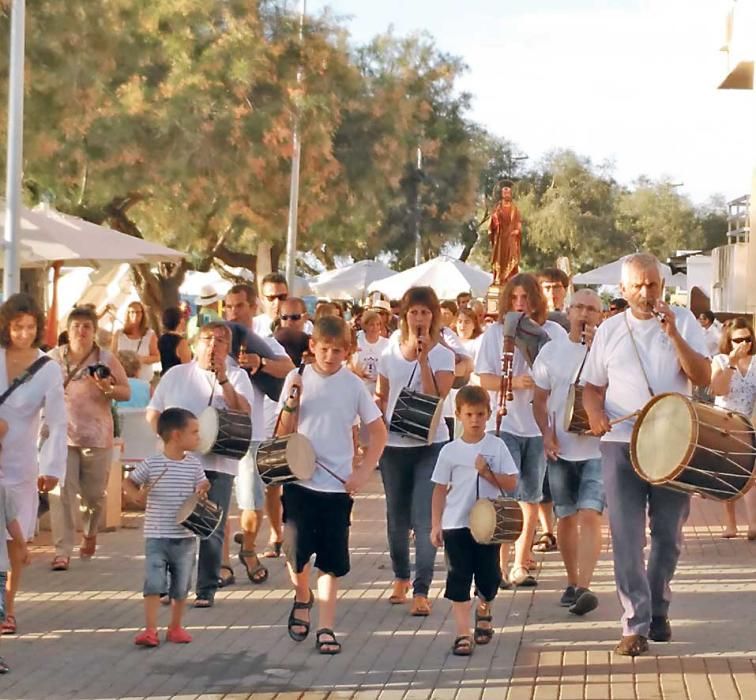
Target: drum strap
(433, 375)
(582, 364)
(477, 486)
(637, 355)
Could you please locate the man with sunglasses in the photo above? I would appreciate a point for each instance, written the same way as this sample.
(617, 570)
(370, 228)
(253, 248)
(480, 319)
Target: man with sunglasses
(274, 291)
(294, 314)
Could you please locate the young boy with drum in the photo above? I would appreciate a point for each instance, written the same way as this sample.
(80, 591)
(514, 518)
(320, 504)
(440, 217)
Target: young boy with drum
(473, 466)
(167, 481)
(322, 403)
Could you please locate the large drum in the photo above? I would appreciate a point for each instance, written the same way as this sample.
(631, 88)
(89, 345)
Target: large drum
(495, 520)
(226, 433)
(575, 416)
(282, 459)
(693, 447)
(416, 415)
(200, 516)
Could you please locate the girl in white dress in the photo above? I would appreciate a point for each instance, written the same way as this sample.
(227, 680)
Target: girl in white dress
(733, 383)
(138, 337)
(24, 470)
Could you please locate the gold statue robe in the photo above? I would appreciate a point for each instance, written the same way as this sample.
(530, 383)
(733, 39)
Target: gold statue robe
(505, 234)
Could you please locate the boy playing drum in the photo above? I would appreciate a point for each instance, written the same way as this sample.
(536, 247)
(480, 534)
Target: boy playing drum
(472, 466)
(323, 404)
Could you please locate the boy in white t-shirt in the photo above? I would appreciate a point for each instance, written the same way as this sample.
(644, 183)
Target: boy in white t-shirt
(474, 465)
(322, 404)
(168, 479)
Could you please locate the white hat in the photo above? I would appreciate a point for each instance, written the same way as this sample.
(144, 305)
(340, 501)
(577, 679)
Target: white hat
(208, 295)
(380, 305)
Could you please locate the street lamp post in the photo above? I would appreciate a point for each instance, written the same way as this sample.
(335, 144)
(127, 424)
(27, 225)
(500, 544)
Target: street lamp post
(296, 146)
(418, 240)
(11, 274)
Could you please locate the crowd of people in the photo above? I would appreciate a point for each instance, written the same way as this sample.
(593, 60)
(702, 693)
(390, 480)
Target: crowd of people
(339, 382)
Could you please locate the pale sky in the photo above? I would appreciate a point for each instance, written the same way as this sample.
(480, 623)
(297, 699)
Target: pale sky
(631, 81)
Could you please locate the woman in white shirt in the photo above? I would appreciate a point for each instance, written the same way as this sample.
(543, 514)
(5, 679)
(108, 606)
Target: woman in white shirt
(733, 383)
(370, 346)
(138, 337)
(419, 362)
(24, 469)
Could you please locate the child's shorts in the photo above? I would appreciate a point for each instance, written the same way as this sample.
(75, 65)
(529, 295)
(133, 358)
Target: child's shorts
(317, 522)
(168, 554)
(466, 560)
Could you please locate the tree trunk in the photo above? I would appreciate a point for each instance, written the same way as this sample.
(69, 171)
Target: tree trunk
(34, 283)
(159, 290)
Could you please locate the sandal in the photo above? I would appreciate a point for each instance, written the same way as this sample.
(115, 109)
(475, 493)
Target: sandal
(421, 606)
(483, 635)
(463, 645)
(60, 563)
(520, 578)
(4, 668)
(632, 645)
(256, 573)
(545, 543)
(229, 580)
(273, 550)
(399, 592)
(321, 644)
(9, 626)
(204, 601)
(295, 621)
(87, 547)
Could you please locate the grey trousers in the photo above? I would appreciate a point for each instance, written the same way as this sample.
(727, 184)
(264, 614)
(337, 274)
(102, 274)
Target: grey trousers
(643, 590)
(86, 477)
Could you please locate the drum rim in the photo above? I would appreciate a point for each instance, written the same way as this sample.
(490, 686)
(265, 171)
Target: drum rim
(209, 410)
(304, 441)
(569, 408)
(691, 445)
(481, 504)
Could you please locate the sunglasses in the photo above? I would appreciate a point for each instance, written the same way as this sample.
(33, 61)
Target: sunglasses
(273, 297)
(741, 340)
(291, 317)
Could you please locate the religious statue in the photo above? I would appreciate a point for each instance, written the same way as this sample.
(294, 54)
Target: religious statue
(505, 235)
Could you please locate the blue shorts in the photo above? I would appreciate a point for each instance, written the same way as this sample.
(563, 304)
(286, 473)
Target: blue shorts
(164, 555)
(250, 489)
(576, 486)
(3, 579)
(528, 455)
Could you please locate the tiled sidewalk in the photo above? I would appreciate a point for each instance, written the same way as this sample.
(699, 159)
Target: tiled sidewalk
(76, 632)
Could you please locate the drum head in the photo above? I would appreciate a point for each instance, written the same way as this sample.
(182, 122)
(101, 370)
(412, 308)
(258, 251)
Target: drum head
(300, 456)
(569, 407)
(208, 429)
(482, 521)
(438, 416)
(186, 508)
(663, 437)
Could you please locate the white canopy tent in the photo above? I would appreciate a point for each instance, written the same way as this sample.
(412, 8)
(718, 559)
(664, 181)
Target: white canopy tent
(611, 273)
(350, 282)
(448, 277)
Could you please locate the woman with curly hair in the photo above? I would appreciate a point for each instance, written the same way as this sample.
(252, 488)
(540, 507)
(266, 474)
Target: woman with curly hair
(24, 470)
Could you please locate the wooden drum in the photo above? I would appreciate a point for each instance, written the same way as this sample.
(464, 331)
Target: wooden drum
(694, 447)
(200, 516)
(225, 433)
(285, 458)
(495, 520)
(416, 415)
(575, 416)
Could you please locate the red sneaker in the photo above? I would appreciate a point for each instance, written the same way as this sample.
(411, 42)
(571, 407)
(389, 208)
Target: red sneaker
(147, 638)
(178, 636)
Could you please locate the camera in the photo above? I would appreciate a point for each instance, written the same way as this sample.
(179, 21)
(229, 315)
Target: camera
(99, 371)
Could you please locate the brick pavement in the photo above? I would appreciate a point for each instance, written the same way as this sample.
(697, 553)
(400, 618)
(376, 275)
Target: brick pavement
(76, 632)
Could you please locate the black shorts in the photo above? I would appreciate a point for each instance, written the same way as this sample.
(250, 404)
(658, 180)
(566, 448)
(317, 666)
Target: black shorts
(317, 522)
(467, 560)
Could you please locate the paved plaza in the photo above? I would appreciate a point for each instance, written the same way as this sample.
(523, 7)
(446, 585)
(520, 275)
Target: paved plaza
(76, 630)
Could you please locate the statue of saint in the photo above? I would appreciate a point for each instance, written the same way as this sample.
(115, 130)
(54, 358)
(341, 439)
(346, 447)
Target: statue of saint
(505, 235)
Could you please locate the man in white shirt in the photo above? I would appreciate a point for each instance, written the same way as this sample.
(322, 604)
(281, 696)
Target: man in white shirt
(207, 381)
(648, 349)
(574, 460)
(239, 307)
(712, 332)
(273, 291)
(520, 432)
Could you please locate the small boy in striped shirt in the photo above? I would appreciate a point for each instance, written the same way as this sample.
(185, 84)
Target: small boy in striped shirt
(168, 479)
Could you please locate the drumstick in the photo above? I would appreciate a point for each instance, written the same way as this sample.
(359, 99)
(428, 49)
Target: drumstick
(293, 394)
(634, 414)
(335, 476)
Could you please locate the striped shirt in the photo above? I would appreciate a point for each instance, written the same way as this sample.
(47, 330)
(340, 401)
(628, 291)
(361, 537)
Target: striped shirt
(179, 480)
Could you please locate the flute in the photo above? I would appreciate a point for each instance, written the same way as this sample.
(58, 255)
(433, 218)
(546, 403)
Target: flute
(505, 383)
(582, 332)
(658, 314)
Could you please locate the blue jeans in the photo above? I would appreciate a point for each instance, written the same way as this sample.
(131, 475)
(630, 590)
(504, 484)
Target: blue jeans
(164, 555)
(211, 549)
(643, 590)
(406, 473)
(528, 455)
(576, 486)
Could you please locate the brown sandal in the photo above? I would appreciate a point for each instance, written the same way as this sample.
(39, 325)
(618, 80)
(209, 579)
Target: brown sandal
(60, 563)
(9, 626)
(399, 592)
(87, 547)
(421, 606)
(632, 645)
(463, 645)
(256, 573)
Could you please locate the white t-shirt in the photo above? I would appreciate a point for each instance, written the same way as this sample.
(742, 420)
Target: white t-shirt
(613, 363)
(555, 370)
(141, 346)
(368, 355)
(713, 335)
(456, 468)
(328, 408)
(189, 386)
(742, 395)
(399, 371)
(471, 347)
(519, 419)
